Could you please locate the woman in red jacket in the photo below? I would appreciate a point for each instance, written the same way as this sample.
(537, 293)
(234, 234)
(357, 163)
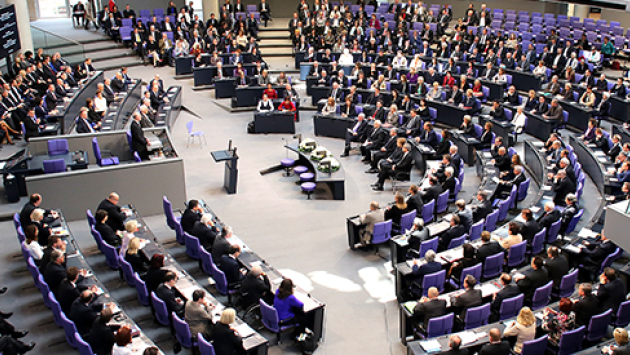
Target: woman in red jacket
(287, 105)
(271, 93)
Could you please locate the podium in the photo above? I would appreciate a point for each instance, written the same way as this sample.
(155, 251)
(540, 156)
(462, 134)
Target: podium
(231, 170)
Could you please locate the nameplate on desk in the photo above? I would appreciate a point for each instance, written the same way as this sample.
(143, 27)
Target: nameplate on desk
(495, 179)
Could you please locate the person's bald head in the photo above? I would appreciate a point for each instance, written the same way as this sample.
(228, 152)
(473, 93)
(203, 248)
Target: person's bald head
(256, 270)
(433, 292)
(113, 198)
(495, 334)
(502, 150)
(455, 342)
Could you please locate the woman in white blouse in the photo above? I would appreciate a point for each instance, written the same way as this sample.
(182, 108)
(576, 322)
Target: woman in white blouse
(514, 237)
(265, 105)
(435, 93)
(330, 108)
(130, 228)
(31, 243)
(500, 77)
(541, 69)
(524, 328)
(416, 63)
(123, 341)
(100, 103)
(519, 119)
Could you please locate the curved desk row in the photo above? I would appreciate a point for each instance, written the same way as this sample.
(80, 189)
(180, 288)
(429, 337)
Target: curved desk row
(335, 181)
(186, 284)
(185, 65)
(119, 111)
(70, 110)
(168, 112)
(204, 76)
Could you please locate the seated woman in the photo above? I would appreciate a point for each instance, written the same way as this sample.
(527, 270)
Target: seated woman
(265, 105)
(330, 108)
(514, 237)
(478, 90)
(32, 244)
(270, 92)
(392, 117)
(349, 108)
(486, 137)
(524, 329)
(560, 321)
(290, 309)
(435, 94)
(100, 103)
(136, 256)
(287, 106)
(95, 118)
(226, 339)
(282, 79)
(395, 211)
(423, 110)
(467, 126)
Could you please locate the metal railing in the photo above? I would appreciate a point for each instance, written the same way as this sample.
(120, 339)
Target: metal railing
(71, 50)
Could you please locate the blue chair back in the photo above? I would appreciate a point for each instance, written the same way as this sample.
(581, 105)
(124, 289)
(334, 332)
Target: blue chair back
(516, 254)
(431, 244)
(491, 221)
(571, 341)
(477, 316)
(535, 347)
(269, 317)
(610, 259)
(567, 284)
(598, 326)
(440, 325)
(54, 166)
(542, 296)
(221, 283)
(455, 242)
(442, 202)
(623, 315)
(56, 309)
(406, 221)
(192, 246)
(427, 212)
(127, 272)
(522, 190)
(21, 235)
(474, 270)
(168, 212)
(111, 256)
(58, 147)
(84, 348)
(97, 151)
(16, 220)
(69, 329)
(205, 347)
(382, 232)
(504, 205)
(538, 243)
(98, 239)
(206, 260)
(90, 218)
(182, 331)
(179, 233)
(574, 222)
(493, 265)
(511, 306)
(141, 290)
(475, 230)
(552, 235)
(160, 312)
(129, 140)
(436, 279)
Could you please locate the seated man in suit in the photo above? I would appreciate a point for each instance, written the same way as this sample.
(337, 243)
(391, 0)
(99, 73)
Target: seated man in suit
(509, 290)
(456, 230)
(55, 271)
(586, 306)
(484, 208)
(116, 215)
(429, 307)
(167, 292)
(557, 265)
(569, 212)
(368, 220)
(231, 267)
(221, 245)
(488, 247)
(256, 286)
(428, 136)
(612, 291)
(192, 214)
(593, 254)
(82, 123)
(495, 346)
(205, 231)
(417, 234)
(464, 213)
(375, 141)
(550, 216)
(357, 133)
(470, 298)
(84, 311)
(505, 186)
(562, 186)
(403, 166)
(434, 190)
(502, 161)
(532, 279)
(415, 201)
(108, 235)
(70, 288)
(454, 343)
(529, 227)
(419, 272)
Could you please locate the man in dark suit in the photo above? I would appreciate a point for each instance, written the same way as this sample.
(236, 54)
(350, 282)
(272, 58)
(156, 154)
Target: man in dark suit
(454, 344)
(593, 254)
(70, 288)
(505, 186)
(374, 97)
(34, 202)
(167, 292)
(335, 91)
(470, 298)
(221, 246)
(265, 12)
(357, 133)
(533, 279)
(488, 248)
(562, 186)
(456, 230)
(82, 123)
(428, 136)
(509, 290)
(374, 142)
(434, 190)
(108, 235)
(557, 266)
(115, 214)
(401, 167)
(138, 140)
(118, 84)
(52, 99)
(256, 286)
(484, 207)
(587, 306)
(55, 271)
(205, 231)
(550, 216)
(101, 337)
(231, 267)
(429, 307)
(611, 293)
(419, 272)
(415, 201)
(529, 227)
(495, 346)
(84, 311)
(379, 112)
(503, 161)
(192, 214)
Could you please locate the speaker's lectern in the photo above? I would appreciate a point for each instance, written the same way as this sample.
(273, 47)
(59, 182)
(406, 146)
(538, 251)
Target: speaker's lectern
(230, 158)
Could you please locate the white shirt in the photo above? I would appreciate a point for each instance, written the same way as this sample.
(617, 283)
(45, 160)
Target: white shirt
(122, 350)
(346, 59)
(265, 103)
(100, 104)
(36, 250)
(125, 243)
(519, 121)
(400, 62)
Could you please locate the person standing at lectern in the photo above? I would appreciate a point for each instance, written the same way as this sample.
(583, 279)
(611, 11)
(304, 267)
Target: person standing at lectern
(138, 141)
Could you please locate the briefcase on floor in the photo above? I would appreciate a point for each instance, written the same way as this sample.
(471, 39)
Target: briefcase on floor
(251, 127)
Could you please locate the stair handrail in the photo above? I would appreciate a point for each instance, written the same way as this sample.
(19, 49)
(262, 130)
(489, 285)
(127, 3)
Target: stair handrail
(57, 35)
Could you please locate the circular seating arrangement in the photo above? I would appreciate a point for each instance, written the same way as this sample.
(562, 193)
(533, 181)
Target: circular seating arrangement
(300, 169)
(308, 187)
(287, 164)
(307, 176)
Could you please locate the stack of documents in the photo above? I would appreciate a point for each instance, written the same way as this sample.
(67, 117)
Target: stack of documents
(431, 346)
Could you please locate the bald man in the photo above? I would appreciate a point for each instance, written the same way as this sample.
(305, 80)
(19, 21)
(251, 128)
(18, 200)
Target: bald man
(495, 346)
(115, 214)
(255, 286)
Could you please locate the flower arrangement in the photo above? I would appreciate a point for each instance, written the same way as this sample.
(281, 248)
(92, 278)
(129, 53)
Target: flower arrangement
(320, 153)
(307, 145)
(328, 165)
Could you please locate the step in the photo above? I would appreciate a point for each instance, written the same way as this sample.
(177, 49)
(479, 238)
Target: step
(112, 54)
(119, 62)
(275, 44)
(278, 50)
(272, 35)
(275, 29)
(92, 48)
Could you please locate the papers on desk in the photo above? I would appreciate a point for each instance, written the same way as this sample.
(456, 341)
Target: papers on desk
(587, 233)
(495, 179)
(424, 148)
(519, 218)
(256, 263)
(244, 330)
(452, 255)
(572, 248)
(437, 228)
(234, 240)
(538, 144)
(534, 209)
(546, 188)
(447, 217)
(410, 306)
(487, 155)
(144, 243)
(138, 345)
(488, 289)
(99, 291)
(60, 231)
(115, 309)
(599, 153)
(539, 315)
(469, 337)
(431, 346)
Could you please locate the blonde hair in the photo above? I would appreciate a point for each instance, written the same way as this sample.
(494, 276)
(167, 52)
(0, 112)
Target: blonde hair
(621, 336)
(228, 316)
(37, 214)
(526, 317)
(131, 226)
(134, 245)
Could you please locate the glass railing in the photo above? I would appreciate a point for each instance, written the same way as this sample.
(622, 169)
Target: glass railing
(71, 50)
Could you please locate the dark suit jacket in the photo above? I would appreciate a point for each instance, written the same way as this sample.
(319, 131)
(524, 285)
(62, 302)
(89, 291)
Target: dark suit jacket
(138, 141)
(83, 315)
(219, 248)
(450, 234)
(502, 348)
(611, 295)
(53, 275)
(548, 218)
(82, 126)
(449, 184)
(483, 209)
(378, 138)
(430, 309)
(432, 193)
(415, 202)
(118, 85)
(67, 293)
(188, 220)
(426, 269)
(585, 309)
(430, 138)
(533, 280)
(115, 216)
(153, 278)
(622, 350)
(168, 295)
(205, 234)
(225, 341)
(107, 233)
(562, 188)
(529, 229)
(503, 162)
(254, 288)
(231, 268)
(468, 299)
(508, 291)
(101, 338)
(556, 269)
(600, 251)
(488, 249)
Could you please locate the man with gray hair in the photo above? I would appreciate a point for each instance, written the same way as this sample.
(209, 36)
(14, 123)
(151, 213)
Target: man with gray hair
(430, 307)
(399, 169)
(138, 140)
(420, 271)
(569, 212)
(505, 186)
(562, 186)
(368, 220)
(221, 245)
(550, 216)
(455, 342)
(449, 181)
(145, 121)
(417, 234)
(255, 286)
(374, 142)
(206, 231)
(470, 298)
(484, 208)
(356, 134)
